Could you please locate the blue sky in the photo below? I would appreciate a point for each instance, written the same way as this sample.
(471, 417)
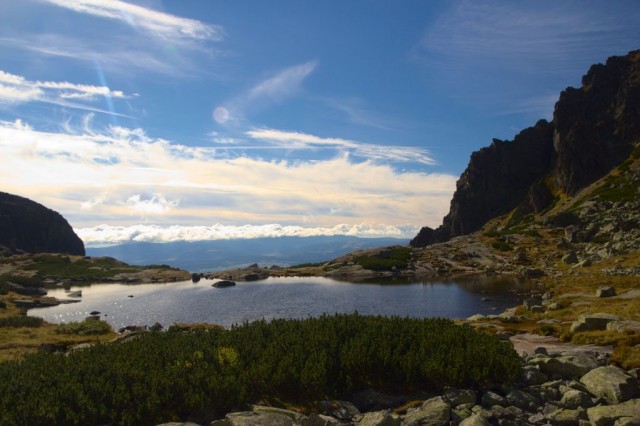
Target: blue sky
(169, 120)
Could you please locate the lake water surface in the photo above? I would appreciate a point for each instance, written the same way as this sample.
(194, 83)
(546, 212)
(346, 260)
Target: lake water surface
(186, 302)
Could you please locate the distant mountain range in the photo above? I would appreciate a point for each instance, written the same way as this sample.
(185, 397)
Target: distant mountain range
(201, 256)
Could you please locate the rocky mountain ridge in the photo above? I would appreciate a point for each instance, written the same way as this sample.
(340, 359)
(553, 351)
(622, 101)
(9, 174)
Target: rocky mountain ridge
(594, 129)
(31, 227)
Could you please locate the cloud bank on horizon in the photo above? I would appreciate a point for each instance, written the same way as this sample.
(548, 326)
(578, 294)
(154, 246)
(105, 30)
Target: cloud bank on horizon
(165, 121)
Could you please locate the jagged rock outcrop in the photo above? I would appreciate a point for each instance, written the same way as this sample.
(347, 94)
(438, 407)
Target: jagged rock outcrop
(596, 125)
(594, 129)
(31, 227)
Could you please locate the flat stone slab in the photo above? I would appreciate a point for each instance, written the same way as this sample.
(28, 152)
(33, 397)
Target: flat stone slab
(527, 343)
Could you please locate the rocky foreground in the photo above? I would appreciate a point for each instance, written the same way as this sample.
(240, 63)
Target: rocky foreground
(575, 387)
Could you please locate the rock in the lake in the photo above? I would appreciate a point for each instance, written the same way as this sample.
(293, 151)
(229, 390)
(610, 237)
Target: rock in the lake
(611, 384)
(223, 283)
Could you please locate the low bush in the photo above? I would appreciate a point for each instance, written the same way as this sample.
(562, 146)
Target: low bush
(201, 375)
(88, 327)
(387, 260)
(20, 321)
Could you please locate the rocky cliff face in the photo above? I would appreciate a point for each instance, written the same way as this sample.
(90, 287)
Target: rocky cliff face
(29, 226)
(594, 129)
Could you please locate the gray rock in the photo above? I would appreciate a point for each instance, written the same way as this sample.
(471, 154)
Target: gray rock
(320, 420)
(574, 398)
(532, 301)
(522, 400)
(565, 417)
(475, 420)
(605, 291)
(477, 317)
(627, 421)
(341, 410)
(566, 366)
(249, 418)
(490, 399)
(380, 418)
(434, 412)
(457, 397)
(261, 409)
(591, 322)
(606, 415)
(537, 309)
(611, 384)
(554, 306)
(532, 375)
(178, 424)
(623, 326)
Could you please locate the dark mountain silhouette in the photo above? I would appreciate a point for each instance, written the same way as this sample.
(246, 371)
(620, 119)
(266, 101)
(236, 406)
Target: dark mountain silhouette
(31, 227)
(594, 128)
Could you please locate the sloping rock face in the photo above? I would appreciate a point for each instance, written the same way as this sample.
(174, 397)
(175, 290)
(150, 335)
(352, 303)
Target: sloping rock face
(29, 226)
(593, 130)
(596, 125)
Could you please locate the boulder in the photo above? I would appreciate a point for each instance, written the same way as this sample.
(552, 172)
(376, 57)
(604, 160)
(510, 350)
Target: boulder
(320, 420)
(574, 398)
(380, 418)
(249, 418)
(611, 384)
(433, 412)
(475, 420)
(456, 397)
(522, 400)
(607, 415)
(566, 366)
(261, 409)
(605, 291)
(623, 326)
(489, 399)
(341, 410)
(592, 322)
(564, 417)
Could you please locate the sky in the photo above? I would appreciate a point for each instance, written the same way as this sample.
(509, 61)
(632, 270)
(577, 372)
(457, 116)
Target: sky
(175, 120)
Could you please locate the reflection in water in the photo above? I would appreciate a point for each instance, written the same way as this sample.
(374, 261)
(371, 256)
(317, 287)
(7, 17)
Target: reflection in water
(186, 302)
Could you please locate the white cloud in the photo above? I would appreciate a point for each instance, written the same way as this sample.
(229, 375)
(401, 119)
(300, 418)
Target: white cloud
(295, 140)
(17, 89)
(156, 23)
(285, 84)
(107, 234)
(156, 205)
(67, 172)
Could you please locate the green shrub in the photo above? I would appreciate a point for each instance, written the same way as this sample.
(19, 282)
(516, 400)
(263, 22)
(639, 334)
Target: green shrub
(88, 327)
(20, 321)
(200, 375)
(4, 287)
(386, 260)
(3, 305)
(501, 245)
(35, 281)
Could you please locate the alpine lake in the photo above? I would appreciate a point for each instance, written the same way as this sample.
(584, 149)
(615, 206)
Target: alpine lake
(286, 297)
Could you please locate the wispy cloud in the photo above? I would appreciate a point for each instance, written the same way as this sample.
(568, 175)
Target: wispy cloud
(155, 23)
(519, 33)
(121, 173)
(285, 84)
(107, 234)
(295, 141)
(15, 89)
(499, 56)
